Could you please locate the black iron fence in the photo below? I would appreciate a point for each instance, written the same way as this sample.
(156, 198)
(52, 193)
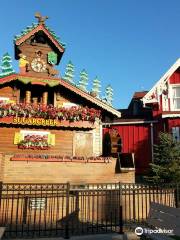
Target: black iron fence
(45, 210)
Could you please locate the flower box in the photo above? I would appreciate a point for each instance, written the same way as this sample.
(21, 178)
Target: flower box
(34, 142)
(65, 159)
(49, 112)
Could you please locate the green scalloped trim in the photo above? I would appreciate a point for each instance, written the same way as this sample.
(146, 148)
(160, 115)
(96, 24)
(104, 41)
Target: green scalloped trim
(50, 82)
(33, 26)
(25, 31)
(55, 36)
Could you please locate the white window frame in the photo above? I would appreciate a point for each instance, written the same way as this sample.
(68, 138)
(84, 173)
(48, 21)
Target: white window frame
(172, 97)
(176, 133)
(39, 133)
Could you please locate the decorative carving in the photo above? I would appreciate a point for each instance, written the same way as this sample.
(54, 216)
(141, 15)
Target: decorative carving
(96, 87)
(114, 132)
(41, 19)
(28, 97)
(58, 96)
(6, 66)
(52, 58)
(14, 91)
(23, 64)
(69, 73)
(35, 101)
(163, 88)
(52, 71)
(94, 94)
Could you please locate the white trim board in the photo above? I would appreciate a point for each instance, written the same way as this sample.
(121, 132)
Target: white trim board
(162, 80)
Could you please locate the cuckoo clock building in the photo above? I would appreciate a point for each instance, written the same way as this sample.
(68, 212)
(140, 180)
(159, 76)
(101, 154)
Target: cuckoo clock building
(50, 128)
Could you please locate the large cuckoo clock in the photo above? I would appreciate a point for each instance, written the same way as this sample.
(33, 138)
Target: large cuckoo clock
(38, 50)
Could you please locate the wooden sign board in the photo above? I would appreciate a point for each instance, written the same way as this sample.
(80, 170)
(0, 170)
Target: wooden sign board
(45, 122)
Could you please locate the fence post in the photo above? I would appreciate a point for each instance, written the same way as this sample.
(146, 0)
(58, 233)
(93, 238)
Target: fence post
(134, 205)
(120, 211)
(77, 203)
(67, 212)
(177, 196)
(1, 186)
(25, 207)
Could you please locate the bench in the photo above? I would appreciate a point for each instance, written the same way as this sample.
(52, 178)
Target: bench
(164, 217)
(160, 217)
(2, 230)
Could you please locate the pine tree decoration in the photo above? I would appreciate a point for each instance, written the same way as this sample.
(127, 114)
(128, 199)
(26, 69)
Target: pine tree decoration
(6, 66)
(166, 167)
(83, 82)
(69, 73)
(109, 95)
(96, 87)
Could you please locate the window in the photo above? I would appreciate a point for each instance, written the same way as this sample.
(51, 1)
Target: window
(34, 139)
(176, 97)
(39, 133)
(176, 133)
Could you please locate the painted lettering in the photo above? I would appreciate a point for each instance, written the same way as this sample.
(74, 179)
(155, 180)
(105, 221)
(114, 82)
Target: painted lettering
(35, 121)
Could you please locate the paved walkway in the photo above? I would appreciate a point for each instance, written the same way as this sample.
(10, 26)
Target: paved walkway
(87, 237)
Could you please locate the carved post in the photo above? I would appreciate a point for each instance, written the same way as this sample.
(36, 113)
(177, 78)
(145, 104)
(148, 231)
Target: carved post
(28, 97)
(45, 98)
(35, 101)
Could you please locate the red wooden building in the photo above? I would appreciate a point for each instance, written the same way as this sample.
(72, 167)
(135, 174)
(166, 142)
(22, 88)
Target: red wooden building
(148, 113)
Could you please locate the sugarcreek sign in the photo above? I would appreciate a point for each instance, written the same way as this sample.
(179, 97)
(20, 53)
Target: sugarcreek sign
(35, 121)
(45, 122)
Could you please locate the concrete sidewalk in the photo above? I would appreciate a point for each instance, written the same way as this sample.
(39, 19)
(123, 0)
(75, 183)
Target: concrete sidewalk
(86, 237)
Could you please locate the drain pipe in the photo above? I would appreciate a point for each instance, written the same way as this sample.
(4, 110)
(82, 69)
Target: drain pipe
(152, 142)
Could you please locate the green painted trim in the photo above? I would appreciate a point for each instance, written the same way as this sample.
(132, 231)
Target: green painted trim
(50, 82)
(32, 27)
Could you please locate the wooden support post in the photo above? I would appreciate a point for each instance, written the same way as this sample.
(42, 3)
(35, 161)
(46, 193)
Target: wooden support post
(28, 97)
(35, 101)
(45, 98)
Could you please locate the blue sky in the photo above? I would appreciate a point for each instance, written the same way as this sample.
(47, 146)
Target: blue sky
(127, 43)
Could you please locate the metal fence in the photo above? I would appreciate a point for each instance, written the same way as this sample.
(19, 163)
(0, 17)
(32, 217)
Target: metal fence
(45, 210)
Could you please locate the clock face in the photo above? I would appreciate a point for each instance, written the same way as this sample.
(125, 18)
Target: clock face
(38, 65)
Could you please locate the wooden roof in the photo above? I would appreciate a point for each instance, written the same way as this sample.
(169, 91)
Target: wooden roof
(51, 82)
(34, 28)
(139, 95)
(46, 30)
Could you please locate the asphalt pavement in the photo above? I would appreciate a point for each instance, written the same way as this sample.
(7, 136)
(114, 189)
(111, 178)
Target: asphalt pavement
(87, 237)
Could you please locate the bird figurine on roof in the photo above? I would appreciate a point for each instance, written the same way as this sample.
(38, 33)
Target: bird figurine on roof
(41, 19)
